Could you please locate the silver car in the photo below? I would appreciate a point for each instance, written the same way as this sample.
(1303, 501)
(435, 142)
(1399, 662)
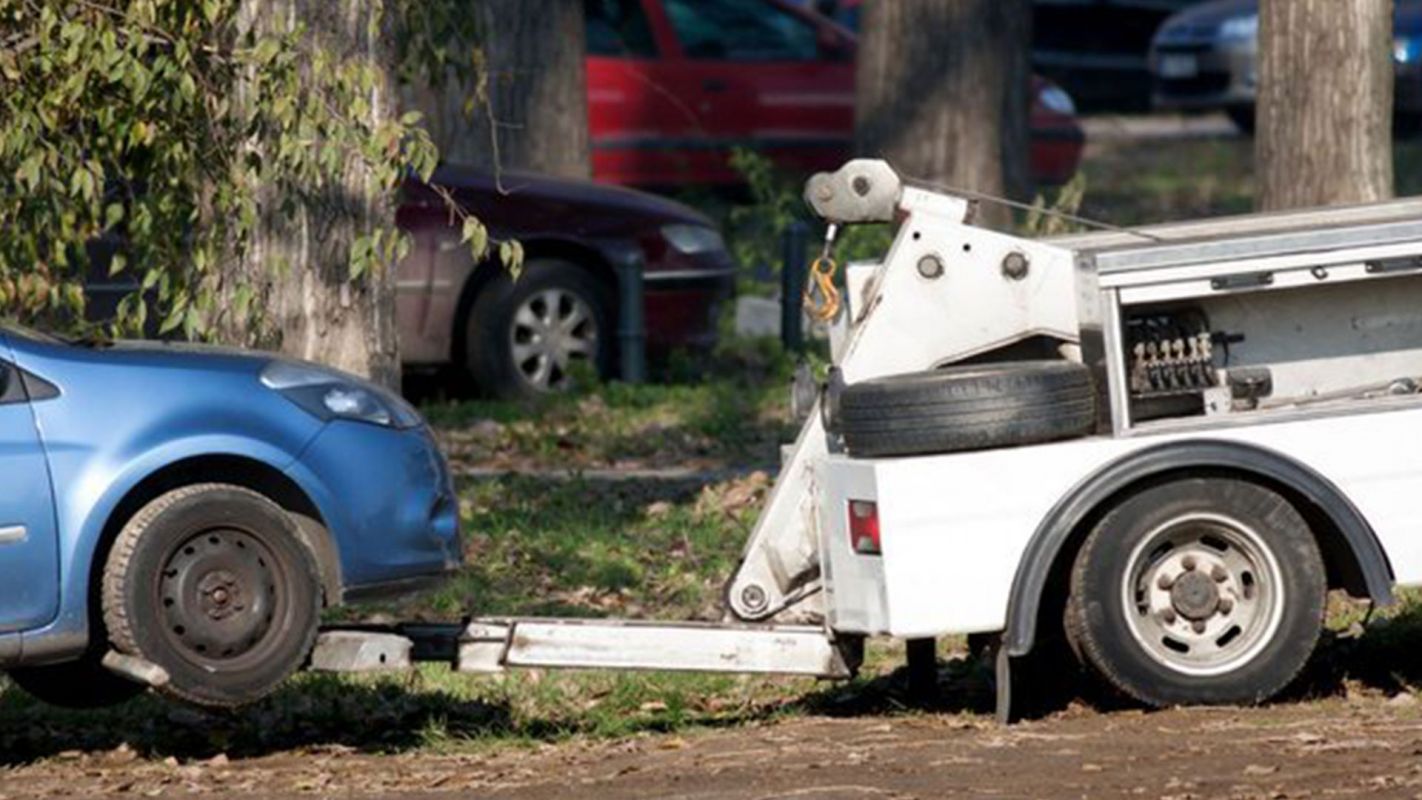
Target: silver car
(1204, 59)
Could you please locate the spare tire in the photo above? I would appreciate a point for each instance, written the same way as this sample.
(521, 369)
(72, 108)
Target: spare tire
(967, 408)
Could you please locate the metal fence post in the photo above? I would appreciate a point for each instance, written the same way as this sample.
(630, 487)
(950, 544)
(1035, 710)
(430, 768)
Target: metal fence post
(631, 323)
(794, 247)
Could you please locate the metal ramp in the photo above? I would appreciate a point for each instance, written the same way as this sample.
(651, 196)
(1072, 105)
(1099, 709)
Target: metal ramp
(495, 644)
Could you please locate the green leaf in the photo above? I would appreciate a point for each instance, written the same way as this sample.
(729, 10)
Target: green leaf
(473, 233)
(113, 214)
(511, 255)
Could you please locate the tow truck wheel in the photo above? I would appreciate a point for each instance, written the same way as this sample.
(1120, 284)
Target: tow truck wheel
(213, 584)
(1198, 591)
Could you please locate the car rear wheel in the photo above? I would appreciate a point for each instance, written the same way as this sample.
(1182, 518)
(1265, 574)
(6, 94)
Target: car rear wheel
(213, 584)
(529, 336)
(1198, 591)
(76, 684)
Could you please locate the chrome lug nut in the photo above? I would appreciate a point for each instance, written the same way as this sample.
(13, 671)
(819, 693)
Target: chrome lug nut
(1164, 581)
(1168, 616)
(1218, 573)
(1188, 562)
(1198, 626)
(1226, 605)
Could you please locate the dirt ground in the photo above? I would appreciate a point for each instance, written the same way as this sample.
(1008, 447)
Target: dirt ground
(1334, 748)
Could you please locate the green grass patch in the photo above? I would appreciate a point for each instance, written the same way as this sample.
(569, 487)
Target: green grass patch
(548, 546)
(730, 410)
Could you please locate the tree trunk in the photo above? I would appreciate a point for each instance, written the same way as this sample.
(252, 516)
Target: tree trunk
(297, 266)
(1324, 133)
(536, 114)
(943, 93)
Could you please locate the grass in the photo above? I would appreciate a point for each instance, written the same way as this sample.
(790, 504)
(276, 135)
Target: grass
(548, 534)
(728, 409)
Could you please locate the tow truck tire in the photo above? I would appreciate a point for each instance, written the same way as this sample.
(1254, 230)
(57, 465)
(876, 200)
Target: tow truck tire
(1200, 591)
(968, 407)
(213, 584)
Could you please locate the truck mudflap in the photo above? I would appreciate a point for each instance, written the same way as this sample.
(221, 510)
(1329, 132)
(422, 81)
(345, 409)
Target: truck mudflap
(493, 645)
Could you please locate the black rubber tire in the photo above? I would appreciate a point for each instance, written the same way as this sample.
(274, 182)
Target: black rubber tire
(82, 684)
(135, 594)
(488, 352)
(967, 408)
(1095, 617)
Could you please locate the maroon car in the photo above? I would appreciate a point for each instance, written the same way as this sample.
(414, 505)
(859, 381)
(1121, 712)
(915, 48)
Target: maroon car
(521, 337)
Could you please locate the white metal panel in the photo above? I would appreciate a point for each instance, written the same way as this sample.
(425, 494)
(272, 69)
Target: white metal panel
(1298, 219)
(855, 600)
(955, 526)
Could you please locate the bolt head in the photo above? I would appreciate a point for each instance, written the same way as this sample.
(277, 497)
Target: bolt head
(753, 597)
(1168, 616)
(1226, 605)
(1219, 573)
(930, 266)
(1188, 562)
(1015, 265)
(1164, 581)
(1198, 626)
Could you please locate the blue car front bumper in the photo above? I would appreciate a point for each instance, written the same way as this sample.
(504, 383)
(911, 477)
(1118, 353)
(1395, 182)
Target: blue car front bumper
(388, 500)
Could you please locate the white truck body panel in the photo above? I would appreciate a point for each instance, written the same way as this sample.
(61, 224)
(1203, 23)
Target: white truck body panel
(955, 527)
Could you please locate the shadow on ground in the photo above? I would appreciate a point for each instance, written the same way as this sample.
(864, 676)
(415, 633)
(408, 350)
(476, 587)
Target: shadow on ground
(318, 711)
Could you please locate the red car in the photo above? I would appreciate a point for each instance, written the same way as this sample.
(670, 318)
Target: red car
(675, 85)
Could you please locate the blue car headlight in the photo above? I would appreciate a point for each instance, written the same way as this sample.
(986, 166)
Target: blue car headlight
(330, 394)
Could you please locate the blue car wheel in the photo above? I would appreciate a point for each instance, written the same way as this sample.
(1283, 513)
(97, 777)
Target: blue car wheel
(214, 584)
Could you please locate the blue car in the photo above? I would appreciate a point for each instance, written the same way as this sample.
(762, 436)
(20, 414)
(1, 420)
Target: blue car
(193, 510)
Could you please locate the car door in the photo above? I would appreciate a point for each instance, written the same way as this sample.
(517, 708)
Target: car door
(643, 129)
(768, 77)
(29, 547)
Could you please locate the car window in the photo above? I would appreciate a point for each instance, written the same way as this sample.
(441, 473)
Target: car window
(618, 28)
(741, 30)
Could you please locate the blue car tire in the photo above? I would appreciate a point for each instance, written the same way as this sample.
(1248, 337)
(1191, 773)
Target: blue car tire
(213, 583)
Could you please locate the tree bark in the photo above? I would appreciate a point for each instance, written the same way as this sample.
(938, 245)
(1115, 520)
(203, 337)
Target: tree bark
(943, 93)
(297, 266)
(536, 114)
(1324, 132)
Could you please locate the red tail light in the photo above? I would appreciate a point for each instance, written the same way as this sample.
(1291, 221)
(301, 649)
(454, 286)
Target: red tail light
(864, 527)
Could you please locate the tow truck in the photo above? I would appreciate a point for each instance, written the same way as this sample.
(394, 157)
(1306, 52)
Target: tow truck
(1162, 446)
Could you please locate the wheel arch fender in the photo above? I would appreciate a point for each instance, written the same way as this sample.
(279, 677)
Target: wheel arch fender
(1349, 544)
(259, 466)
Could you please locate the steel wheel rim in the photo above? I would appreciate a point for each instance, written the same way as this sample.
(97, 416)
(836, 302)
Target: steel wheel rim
(220, 600)
(551, 330)
(1202, 594)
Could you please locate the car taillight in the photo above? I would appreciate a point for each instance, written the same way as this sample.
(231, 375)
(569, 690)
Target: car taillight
(864, 527)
